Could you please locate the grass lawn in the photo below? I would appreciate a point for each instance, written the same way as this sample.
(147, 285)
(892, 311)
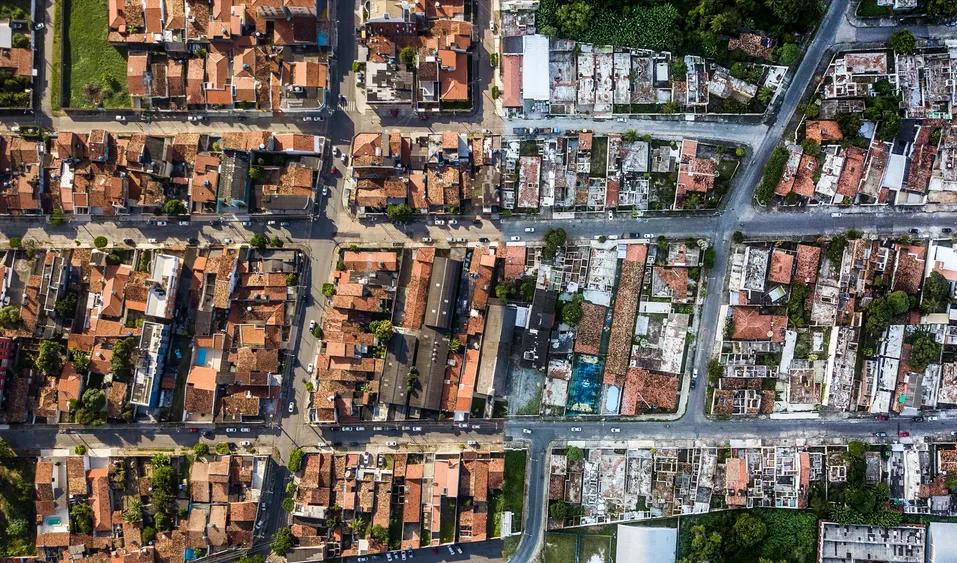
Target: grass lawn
(534, 404)
(596, 549)
(55, 78)
(447, 528)
(726, 168)
(870, 9)
(599, 157)
(493, 525)
(561, 548)
(510, 546)
(16, 503)
(514, 486)
(91, 58)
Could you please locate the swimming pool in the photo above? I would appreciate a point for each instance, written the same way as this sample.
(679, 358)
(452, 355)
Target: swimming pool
(201, 357)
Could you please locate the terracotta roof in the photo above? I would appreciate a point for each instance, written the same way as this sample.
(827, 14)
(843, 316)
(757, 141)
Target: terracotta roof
(512, 80)
(750, 324)
(590, 328)
(823, 130)
(852, 173)
(76, 476)
(644, 390)
(19, 60)
(807, 262)
(910, 268)
(782, 264)
(135, 74)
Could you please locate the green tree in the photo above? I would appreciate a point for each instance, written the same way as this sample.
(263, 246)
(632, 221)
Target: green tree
(382, 330)
(899, 302)
(797, 14)
(715, 370)
(100, 242)
(134, 513)
(903, 42)
(276, 242)
(328, 289)
(574, 453)
(174, 207)
(737, 237)
(256, 172)
(295, 460)
(292, 279)
(850, 124)
(704, 546)
(765, 95)
(288, 504)
(222, 448)
(356, 65)
(924, 350)
(121, 362)
(834, 251)
(380, 533)
(811, 147)
(17, 528)
(788, 54)
(936, 293)
(496, 92)
(148, 534)
(399, 213)
(56, 218)
(20, 41)
(15, 242)
(944, 8)
(80, 359)
(558, 510)
(407, 55)
(259, 241)
(66, 306)
(572, 311)
(200, 449)
(81, 516)
(554, 240)
(574, 18)
(80, 450)
(251, 559)
(630, 136)
(50, 357)
(94, 400)
(749, 530)
(9, 316)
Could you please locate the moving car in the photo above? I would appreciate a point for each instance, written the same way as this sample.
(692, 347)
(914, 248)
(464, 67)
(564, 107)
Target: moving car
(881, 434)
(695, 374)
(903, 434)
(526, 431)
(616, 430)
(529, 229)
(513, 239)
(576, 428)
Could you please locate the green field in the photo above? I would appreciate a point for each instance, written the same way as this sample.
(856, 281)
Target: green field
(514, 486)
(595, 549)
(94, 69)
(561, 548)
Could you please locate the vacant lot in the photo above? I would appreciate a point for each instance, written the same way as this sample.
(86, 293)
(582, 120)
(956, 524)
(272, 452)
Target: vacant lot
(595, 549)
(94, 70)
(561, 548)
(514, 486)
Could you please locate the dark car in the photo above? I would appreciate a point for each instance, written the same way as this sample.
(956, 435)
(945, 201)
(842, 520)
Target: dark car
(914, 231)
(947, 230)
(483, 239)
(918, 419)
(129, 241)
(881, 417)
(193, 241)
(693, 383)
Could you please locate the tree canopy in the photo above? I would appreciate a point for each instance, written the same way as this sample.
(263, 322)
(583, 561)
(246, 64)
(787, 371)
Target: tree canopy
(903, 42)
(50, 357)
(554, 240)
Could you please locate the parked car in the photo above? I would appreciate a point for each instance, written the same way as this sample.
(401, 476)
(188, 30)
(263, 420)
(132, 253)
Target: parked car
(880, 434)
(451, 551)
(947, 230)
(403, 555)
(230, 430)
(620, 120)
(310, 368)
(611, 214)
(439, 222)
(427, 239)
(915, 231)
(918, 419)
(485, 240)
(292, 406)
(576, 428)
(951, 24)
(392, 444)
(245, 443)
(616, 430)
(151, 240)
(881, 417)
(529, 229)
(612, 237)
(473, 443)
(120, 118)
(476, 427)
(417, 429)
(526, 431)
(312, 324)
(227, 241)
(458, 549)
(836, 214)
(513, 239)
(193, 240)
(161, 223)
(693, 382)
(244, 429)
(519, 131)
(346, 429)
(695, 374)
(360, 428)
(453, 222)
(129, 241)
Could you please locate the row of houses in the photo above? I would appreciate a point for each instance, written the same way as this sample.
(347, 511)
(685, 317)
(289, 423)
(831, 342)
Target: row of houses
(268, 55)
(344, 501)
(103, 174)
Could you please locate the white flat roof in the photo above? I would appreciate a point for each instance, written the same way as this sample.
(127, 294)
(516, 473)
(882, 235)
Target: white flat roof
(534, 66)
(641, 544)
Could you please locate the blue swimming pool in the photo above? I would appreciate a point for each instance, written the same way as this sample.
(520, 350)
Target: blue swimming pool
(201, 357)
(584, 388)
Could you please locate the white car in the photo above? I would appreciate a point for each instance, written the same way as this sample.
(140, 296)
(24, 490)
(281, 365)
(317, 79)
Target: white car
(247, 223)
(151, 240)
(417, 429)
(439, 222)
(835, 214)
(491, 26)
(346, 429)
(458, 549)
(576, 428)
(245, 443)
(513, 239)
(120, 118)
(270, 222)
(403, 555)
(292, 406)
(230, 430)
(620, 120)
(244, 429)
(695, 375)
(161, 223)
(227, 241)
(360, 428)
(388, 556)
(392, 444)
(529, 229)
(309, 368)
(616, 430)
(184, 223)
(473, 443)
(411, 556)
(451, 551)
(453, 221)
(307, 118)
(426, 239)
(526, 431)
(450, 240)
(612, 237)
(611, 214)
(649, 236)
(476, 427)
(378, 428)
(325, 190)
(463, 425)
(312, 324)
